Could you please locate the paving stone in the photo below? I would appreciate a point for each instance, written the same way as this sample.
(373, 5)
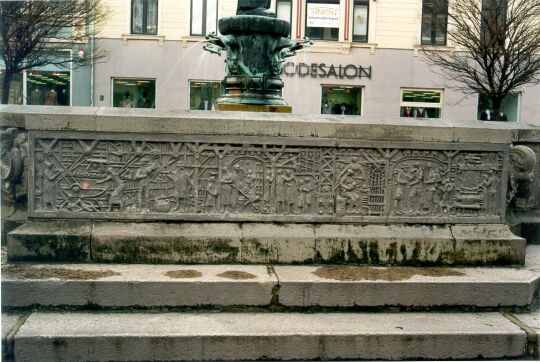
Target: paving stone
(245, 336)
(142, 286)
(9, 324)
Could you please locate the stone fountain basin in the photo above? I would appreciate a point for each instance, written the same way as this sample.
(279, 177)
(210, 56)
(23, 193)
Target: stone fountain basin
(249, 24)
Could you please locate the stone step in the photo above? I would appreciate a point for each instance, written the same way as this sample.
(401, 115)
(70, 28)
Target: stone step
(77, 336)
(147, 286)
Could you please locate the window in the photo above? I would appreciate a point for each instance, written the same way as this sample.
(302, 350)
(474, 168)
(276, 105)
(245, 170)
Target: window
(434, 22)
(203, 17)
(284, 10)
(203, 94)
(48, 88)
(322, 19)
(421, 103)
(134, 93)
(360, 20)
(493, 22)
(339, 99)
(144, 15)
(509, 108)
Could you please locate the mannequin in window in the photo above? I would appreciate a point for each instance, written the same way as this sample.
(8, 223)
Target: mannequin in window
(343, 109)
(326, 109)
(406, 112)
(126, 101)
(51, 98)
(205, 105)
(486, 115)
(420, 113)
(143, 102)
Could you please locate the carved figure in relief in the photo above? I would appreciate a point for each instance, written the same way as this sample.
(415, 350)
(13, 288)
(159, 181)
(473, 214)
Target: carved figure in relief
(76, 201)
(305, 195)
(226, 191)
(145, 176)
(431, 182)
(523, 163)
(117, 194)
(352, 194)
(403, 179)
(490, 186)
(416, 196)
(182, 187)
(211, 195)
(283, 186)
(269, 192)
(48, 186)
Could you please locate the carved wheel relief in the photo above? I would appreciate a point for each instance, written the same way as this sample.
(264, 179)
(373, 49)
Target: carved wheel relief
(254, 181)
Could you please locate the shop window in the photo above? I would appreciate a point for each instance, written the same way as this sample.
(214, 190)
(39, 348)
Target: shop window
(134, 93)
(434, 22)
(322, 19)
(339, 99)
(284, 10)
(509, 108)
(49, 88)
(360, 22)
(203, 16)
(203, 94)
(16, 88)
(421, 103)
(144, 16)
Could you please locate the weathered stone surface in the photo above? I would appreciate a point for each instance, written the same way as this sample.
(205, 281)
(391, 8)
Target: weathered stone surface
(487, 244)
(246, 336)
(9, 327)
(141, 286)
(50, 240)
(384, 244)
(532, 322)
(278, 243)
(166, 243)
(407, 287)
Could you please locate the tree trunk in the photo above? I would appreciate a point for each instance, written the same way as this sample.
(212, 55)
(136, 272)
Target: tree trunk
(496, 100)
(6, 85)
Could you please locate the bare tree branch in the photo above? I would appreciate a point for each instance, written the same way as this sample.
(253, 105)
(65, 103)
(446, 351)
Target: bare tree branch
(498, 46)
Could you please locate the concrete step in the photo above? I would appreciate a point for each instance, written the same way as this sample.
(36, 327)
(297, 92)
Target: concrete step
(147, 286)
(76, 336)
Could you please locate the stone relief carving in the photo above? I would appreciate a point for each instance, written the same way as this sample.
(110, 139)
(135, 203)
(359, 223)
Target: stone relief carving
(14, 165)
(522, 165)
(107, 177)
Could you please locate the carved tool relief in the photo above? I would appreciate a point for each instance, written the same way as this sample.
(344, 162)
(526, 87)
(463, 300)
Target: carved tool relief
(172, 179)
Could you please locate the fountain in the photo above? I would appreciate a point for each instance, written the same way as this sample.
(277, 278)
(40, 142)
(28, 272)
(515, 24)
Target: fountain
(256, 44)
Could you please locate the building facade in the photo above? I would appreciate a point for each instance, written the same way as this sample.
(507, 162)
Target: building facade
(366, 59)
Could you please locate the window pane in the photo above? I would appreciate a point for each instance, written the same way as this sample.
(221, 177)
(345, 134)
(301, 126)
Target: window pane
(137, 16)
(15, 89)
(360, 22)
(344, 100)
(49, 88)
(211, 16)
(284, 10)
(134, 93)
(323, 19)
(203, 94)
(421, 103)
(152, 17)
(196, 17)
(434, 22)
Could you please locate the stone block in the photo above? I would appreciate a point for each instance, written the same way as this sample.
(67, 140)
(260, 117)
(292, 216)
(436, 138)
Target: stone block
(166, 243)
(278, 243)
(275, 336)
(384, 244)
(487, 244)
(10, 324)
(51, 240)
(138, 285)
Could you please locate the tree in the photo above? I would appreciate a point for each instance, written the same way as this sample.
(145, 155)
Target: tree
(37, 33)
(497, 47)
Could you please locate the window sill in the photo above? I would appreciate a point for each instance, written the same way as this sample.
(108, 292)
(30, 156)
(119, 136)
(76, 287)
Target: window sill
(371, 46)
(442, 48)
(329, 46)
(192, 39)
(127, 37)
